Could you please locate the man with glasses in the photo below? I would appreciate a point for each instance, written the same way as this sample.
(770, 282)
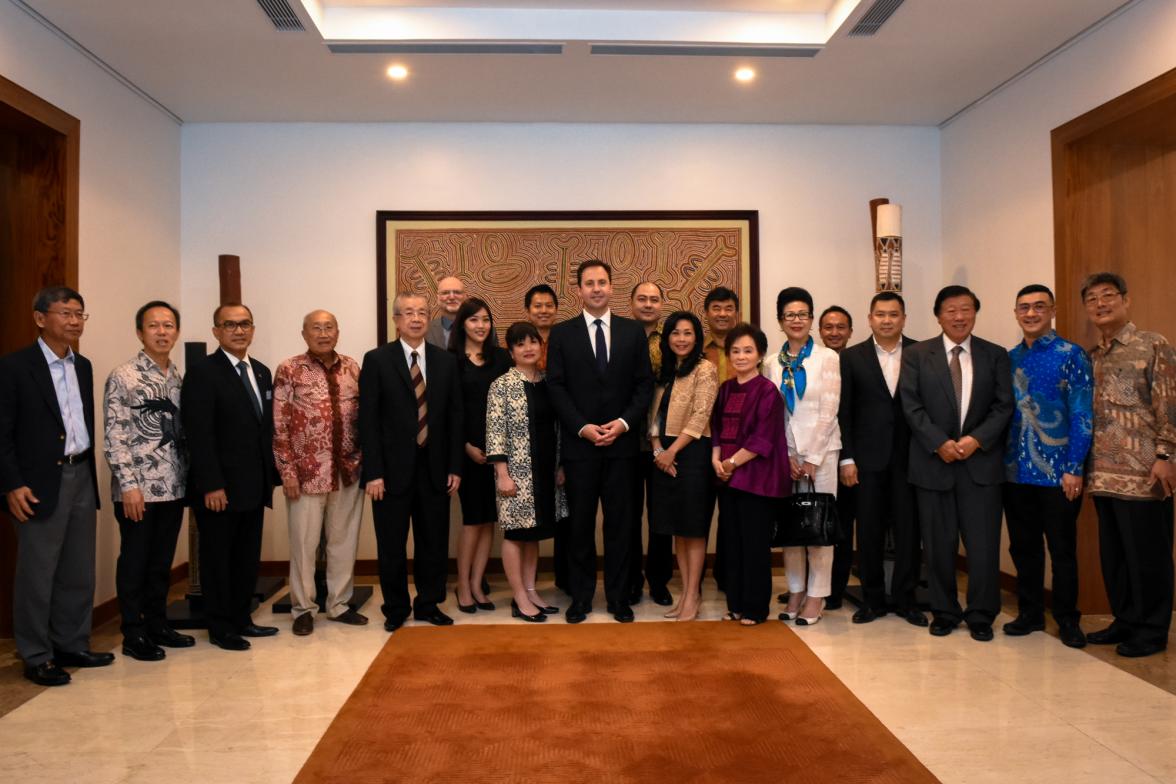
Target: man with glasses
(1131, 474)
(316, 447)
(226, 405)
(47, 476)
(451, 294)
(1049, 436)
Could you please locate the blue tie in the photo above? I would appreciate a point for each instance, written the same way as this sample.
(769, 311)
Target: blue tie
(243, 369)
(601, 347)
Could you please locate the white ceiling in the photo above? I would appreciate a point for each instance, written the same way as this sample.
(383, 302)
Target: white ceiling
(222, 61)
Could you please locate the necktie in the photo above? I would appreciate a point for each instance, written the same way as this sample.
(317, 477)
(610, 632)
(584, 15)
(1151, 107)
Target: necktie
(418, 385)
(601, 347)
(243, 371)
(957, 378)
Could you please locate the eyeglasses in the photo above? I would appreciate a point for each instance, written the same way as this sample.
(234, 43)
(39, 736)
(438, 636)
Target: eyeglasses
(450, 292)
(412, 313)
(322, 329)
(1105, 298)
(70, 315)
(800, 315)
(1036, 307)
(233, 326)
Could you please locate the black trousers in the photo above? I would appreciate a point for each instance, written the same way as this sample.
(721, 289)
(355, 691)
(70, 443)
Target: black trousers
(609, 484)
(1033, 512)
(230, 552)
(970, 512)
(1135, 549)
(659, 553)
(143, 575)
(886, 501)
(427, 509)
(747, 551)
(843, 551)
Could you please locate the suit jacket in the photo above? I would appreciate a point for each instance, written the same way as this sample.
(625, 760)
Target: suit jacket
(436, 335)
(230, 448)
(582, 395)
(929, 403)
(388, 418)
(873, 427)
(32, 432)
(813, 431)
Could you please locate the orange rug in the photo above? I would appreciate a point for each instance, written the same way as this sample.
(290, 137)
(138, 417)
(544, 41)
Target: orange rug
(643, 702)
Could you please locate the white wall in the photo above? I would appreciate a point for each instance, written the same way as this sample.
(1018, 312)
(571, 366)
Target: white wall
(129, 212)
(996, 165)
(298, 203)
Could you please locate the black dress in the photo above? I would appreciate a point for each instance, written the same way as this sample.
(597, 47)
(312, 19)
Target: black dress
(477, 481)
(543, 456)
(679, 505)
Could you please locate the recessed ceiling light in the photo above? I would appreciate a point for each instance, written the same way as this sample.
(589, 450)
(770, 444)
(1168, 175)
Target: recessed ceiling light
(397, 72)
(745, 74)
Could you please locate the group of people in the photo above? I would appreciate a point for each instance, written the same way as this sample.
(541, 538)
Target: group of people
(929, 442)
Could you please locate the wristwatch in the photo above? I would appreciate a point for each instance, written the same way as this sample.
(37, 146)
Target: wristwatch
(657, 451)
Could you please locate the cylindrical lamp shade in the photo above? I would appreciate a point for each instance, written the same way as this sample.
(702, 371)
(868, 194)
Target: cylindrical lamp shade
(889, 220)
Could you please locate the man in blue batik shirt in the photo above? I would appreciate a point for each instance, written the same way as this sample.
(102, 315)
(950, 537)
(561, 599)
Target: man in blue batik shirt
(1049, 436)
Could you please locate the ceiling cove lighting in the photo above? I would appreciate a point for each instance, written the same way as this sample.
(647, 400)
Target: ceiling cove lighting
(745, 74)
(397, 73)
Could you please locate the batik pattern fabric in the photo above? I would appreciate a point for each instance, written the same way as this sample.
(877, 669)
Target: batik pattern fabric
(144, 441)
(1052, 424)
(1134, 413)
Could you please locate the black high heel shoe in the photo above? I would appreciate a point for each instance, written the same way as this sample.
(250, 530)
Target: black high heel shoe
(546, 609)
(469, 609)
(515, 612)
(486, 605)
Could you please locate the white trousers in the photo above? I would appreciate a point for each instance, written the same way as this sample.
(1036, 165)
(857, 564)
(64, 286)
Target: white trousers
(340, 512)
(810, 569)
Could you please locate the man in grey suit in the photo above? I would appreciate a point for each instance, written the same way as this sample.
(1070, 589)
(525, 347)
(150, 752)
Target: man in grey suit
(450, 293)
(957, 397)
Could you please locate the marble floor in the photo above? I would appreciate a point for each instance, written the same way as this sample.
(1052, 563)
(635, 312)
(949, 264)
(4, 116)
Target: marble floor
(1013, 710)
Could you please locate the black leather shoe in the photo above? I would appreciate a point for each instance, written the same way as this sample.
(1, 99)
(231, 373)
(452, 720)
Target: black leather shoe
(47, 674)
(303, 625)
(485, 586)
(82, 659)
(351, 617)
(436, 617)
(486, 606)
(1109, 636)
(229, 642)
(635, 596)
(1071, 635)
(1022, 625)
(1136, 650)
(253, 630)
(142, 649)
(981, 632)
(170, 638)
(783, 598)
(912, 616)
(867, 614)
(941, 627)
(577, 612)
(392, 624)
(661, 596)
(468, 609)
(515, 612)
(830, 603)
(623, 613)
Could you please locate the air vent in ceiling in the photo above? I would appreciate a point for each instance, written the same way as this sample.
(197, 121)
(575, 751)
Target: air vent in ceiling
(282, 15)
(705, 50)
(874, 18)
(446, 47)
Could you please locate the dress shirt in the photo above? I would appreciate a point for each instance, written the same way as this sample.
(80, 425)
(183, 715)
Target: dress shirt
(716, 354)
(446, 328)
(606, 318)
(69, 398)
(249, 370)
(655, 355)
(144, 439)
(1134, 401)
(1050, 432)
(420, 350)
(316, 411)
(891, 363)
(965, 373)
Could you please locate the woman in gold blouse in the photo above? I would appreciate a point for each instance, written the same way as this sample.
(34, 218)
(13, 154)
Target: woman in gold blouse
(680, 432)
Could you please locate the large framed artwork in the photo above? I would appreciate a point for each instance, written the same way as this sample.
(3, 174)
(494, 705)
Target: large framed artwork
(499, 255)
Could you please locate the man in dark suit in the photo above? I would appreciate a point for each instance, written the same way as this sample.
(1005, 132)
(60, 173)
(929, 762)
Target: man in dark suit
(601, 381)
(875, 444)
(48, 478)
(226, 405)
(957, 396)
(410, 430)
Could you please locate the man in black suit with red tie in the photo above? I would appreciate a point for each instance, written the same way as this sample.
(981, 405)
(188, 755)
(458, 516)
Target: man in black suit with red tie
(410, 428)
(226, 404)
(601, 382)
(875, 447)
(957, 395)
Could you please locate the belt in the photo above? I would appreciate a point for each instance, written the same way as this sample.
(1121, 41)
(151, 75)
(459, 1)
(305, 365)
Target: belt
(80, 457)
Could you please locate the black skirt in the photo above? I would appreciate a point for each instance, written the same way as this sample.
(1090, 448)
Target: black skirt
(680, 505)
(477, 493)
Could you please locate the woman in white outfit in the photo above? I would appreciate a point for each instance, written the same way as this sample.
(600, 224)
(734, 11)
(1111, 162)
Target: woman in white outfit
(809, 378)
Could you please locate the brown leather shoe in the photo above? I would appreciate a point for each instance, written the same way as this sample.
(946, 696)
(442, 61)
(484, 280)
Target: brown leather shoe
(351, 618)
(304, 624)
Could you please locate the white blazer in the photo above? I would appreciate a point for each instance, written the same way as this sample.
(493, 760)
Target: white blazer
(813, 432)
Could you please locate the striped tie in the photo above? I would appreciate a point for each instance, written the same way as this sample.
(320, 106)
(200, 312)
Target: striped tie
(418, 385)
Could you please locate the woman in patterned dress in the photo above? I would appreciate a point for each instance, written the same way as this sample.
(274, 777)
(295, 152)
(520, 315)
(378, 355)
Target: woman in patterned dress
(522, 443)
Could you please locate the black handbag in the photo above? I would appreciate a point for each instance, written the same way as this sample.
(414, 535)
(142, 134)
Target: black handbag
(807, 519)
